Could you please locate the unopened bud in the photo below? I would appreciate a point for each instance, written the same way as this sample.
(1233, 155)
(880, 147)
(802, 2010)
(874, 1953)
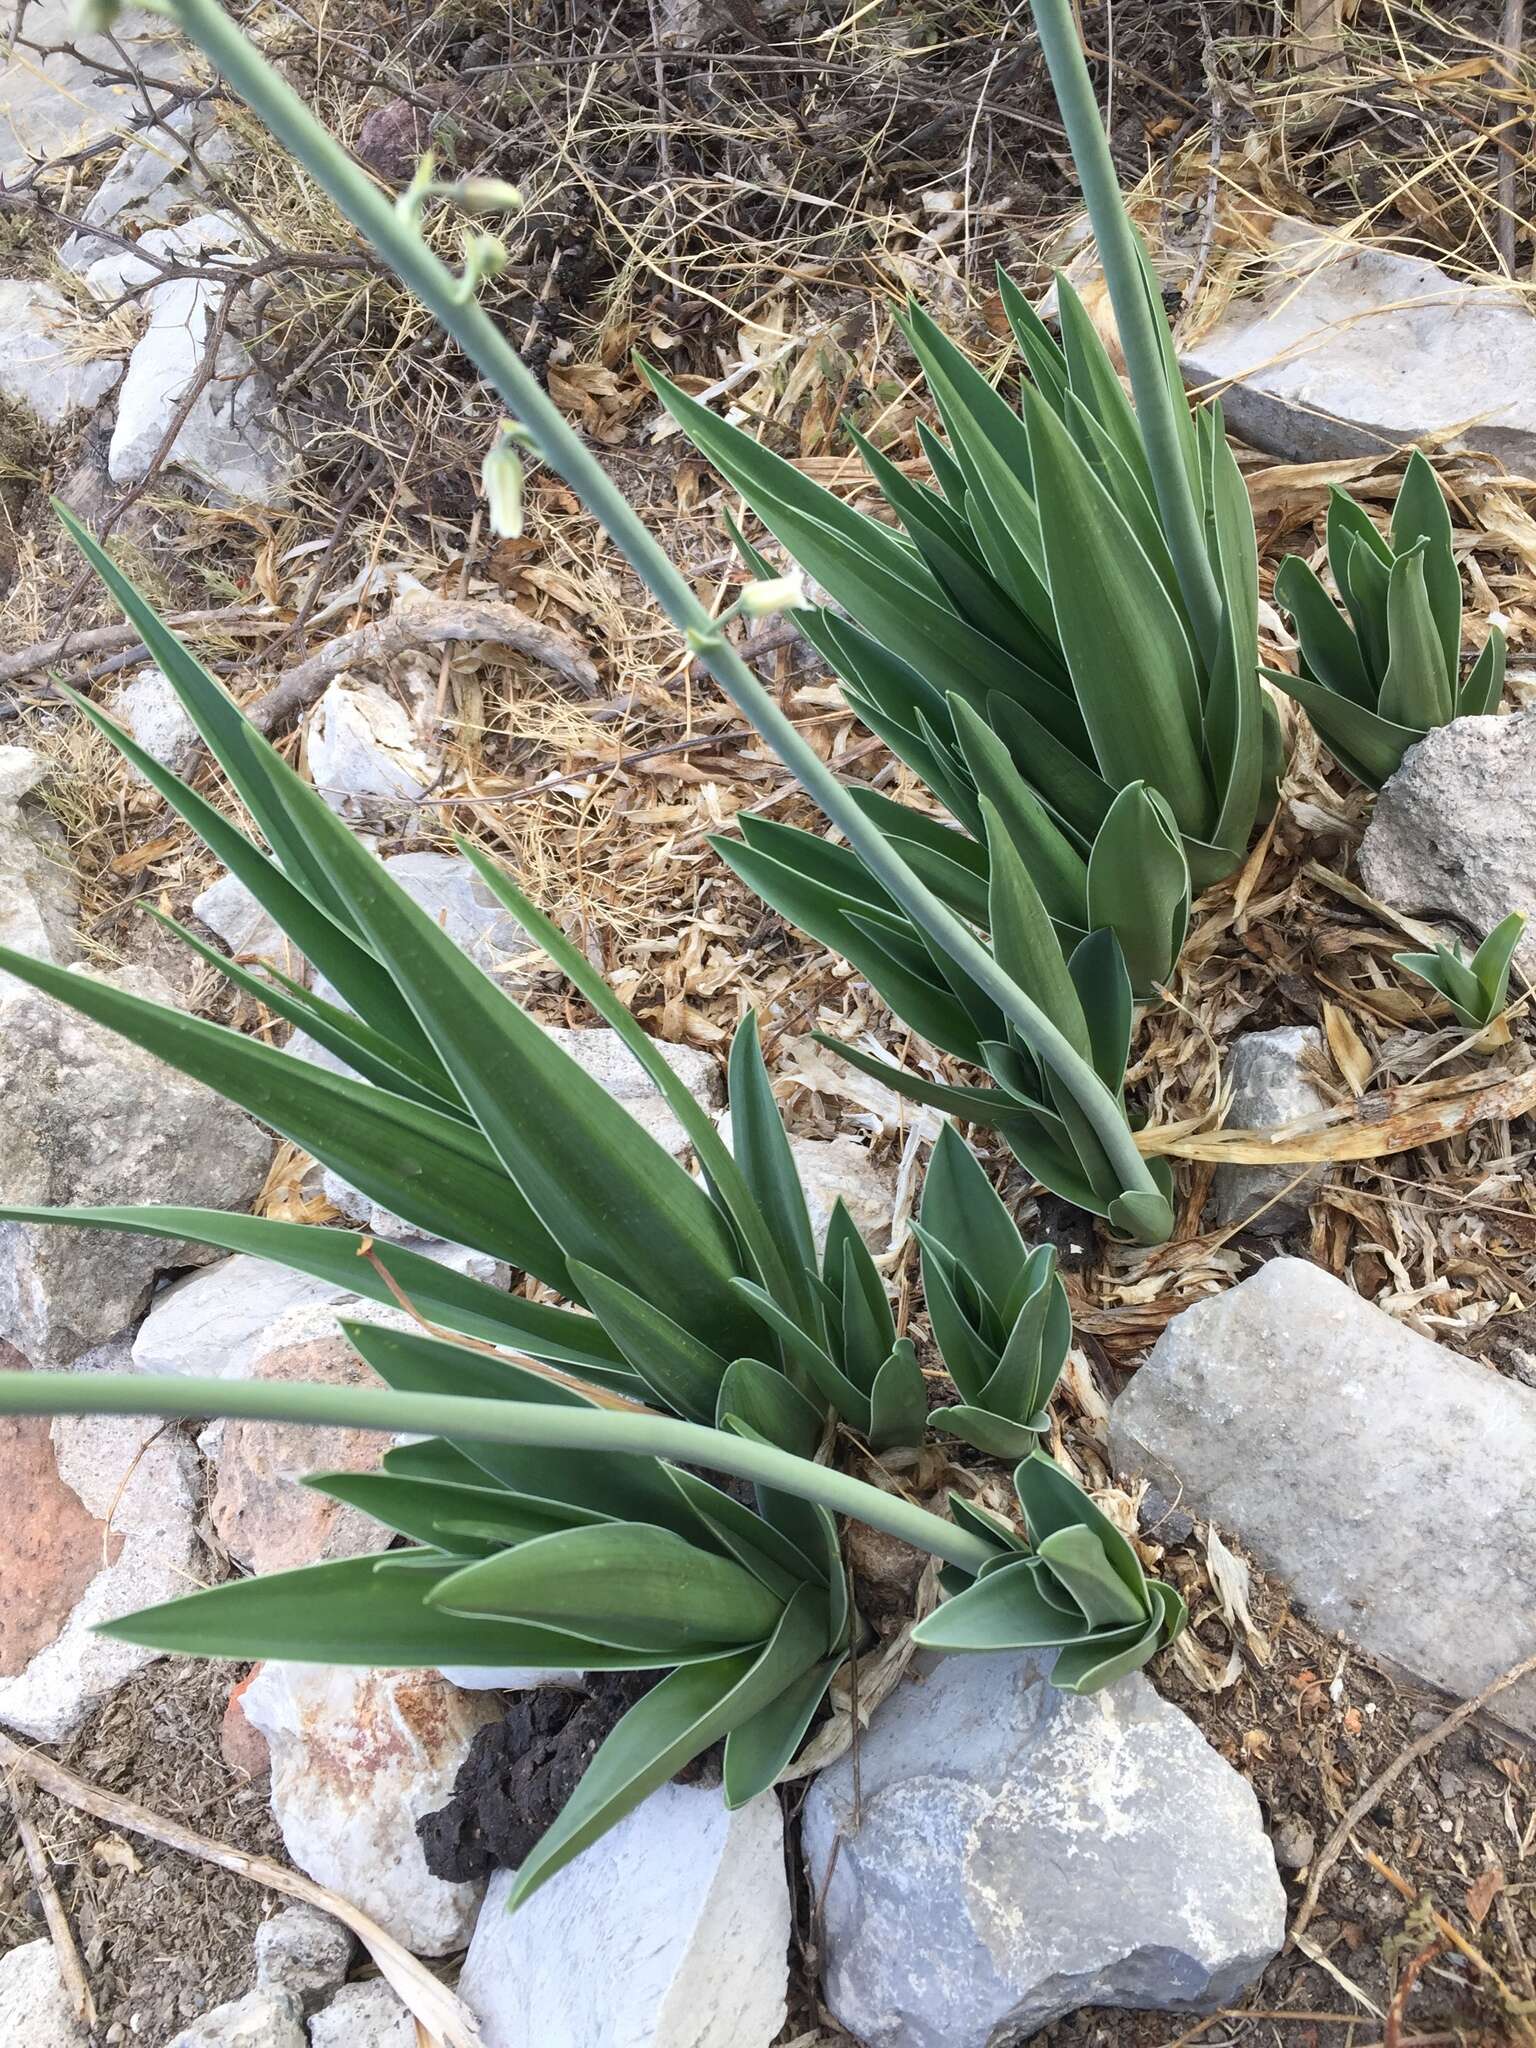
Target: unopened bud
(484, 257)
(774, 594)
(501, 479)
(484, 195)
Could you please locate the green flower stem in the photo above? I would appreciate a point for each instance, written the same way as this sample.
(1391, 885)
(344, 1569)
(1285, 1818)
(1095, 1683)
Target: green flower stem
(470, 1420)
(1133, 316)
(403, 248)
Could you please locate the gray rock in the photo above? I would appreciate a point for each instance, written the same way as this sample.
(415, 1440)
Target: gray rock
(454, 896)
(43, 364)
(130, 264)
(1453, 834)
(215, 1321)
(87, 1118)
(357, 1757)
(511, 1677)
(34, 2006)
(1385, 1480)
(304, 1954)
(259, 2020)
(142, 1484)
(368, 755)
(152, 177)
(1353, 350)
(153, 713)
(39, 903)
(609, 1060)
(1267, 1072)
(229, 439)
(1022, 1853)
(232, 913)
(841, 1169)
(672, 1931)
(364, 2016)
(60, 103)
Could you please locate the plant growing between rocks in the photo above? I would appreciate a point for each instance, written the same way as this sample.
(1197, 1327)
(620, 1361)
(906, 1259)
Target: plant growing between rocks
(546, 1523)
(1476, 989)
(1378, 676)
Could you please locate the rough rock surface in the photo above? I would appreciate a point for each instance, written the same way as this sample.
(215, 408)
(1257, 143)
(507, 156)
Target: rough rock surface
(1268, 1072)
(232, 913)
(608, 1059)
(356, 1757)
(366, 754)
(64, 1566)
(841, 1168)
(153, 713)
(261, 2019)
(1453, 834)
(216, 1320)
(304, 1953)
(42, 365)
(1021, 1853)
(1350, 350)
(363, 2016)
(1386, 1480)
(38, 900)
(34, 2006)
(56, 103)
(87, 1118)
(671, 1932)
(266, 1519)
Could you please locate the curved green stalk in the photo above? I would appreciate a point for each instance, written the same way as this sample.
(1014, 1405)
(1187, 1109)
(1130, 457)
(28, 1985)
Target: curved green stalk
(443, 294)
(469, 1419)
(1133, 315)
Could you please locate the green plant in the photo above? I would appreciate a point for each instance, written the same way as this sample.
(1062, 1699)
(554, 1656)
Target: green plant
(1374, 682)
(546, 1533)
(1476, 989)
(476, 1126)
(1140, 1206)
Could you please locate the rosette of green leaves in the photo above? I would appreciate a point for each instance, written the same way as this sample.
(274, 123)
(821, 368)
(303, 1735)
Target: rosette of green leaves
(998, 1309)
(465, 1118)
(1034, 583)
(541, 1531)
(1073, 1583)
(1379, 675)
(1085, 992)
(1476, 989)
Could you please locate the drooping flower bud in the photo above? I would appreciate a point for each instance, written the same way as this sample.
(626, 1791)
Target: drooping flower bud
(501, 479)
(774, 594)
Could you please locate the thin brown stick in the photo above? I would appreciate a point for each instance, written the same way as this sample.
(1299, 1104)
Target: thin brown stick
(1334, 1847)
(438, 2012)
(1511, 37)
(71, 1970)
(434, 622)
(43, 654)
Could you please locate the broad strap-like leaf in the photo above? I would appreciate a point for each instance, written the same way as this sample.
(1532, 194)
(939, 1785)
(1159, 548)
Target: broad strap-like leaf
(762, 1401)
(1416, 689)
(963, 1212)
(1041, 351)
(672, 1724)
(675, 1364)
(351, 1612)
(437, 1512)
(1077, 1560)
(1130, 658)
(1138, 885)
(626, 1585)
(1059, 872)
(760, 1146)
(435, 1171)
(1369, 746)
(1024, 939)
(1328, 647)
(1484, 686)
(1053, 1502)
(1005, 1610)
(1422, 515)
(759, 1748)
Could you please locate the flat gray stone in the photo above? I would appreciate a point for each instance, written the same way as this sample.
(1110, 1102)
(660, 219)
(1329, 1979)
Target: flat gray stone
(39, 902)
(364, 2016)
(232, 913)
(261, 2019)
(43, 364)
(215, 1321)
(841, 1169)
(368, 755)
(153, 713)
(87, 1118)
(1020, 1853)
(672, 1931)
(34, 2007)
(303, 1953)
(1352, 350)
(1384, 1479)
(1270, 1083)
(56, 104)
(1453, 834)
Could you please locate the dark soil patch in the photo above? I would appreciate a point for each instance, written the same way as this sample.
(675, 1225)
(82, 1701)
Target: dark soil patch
(163, 1937)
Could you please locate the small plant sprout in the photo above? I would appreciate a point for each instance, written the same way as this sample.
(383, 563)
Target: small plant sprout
(1378, 676)
(1476, 989)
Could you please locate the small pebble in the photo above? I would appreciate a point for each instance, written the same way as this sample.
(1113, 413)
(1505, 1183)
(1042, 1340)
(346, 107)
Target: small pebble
(1293, 1842)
